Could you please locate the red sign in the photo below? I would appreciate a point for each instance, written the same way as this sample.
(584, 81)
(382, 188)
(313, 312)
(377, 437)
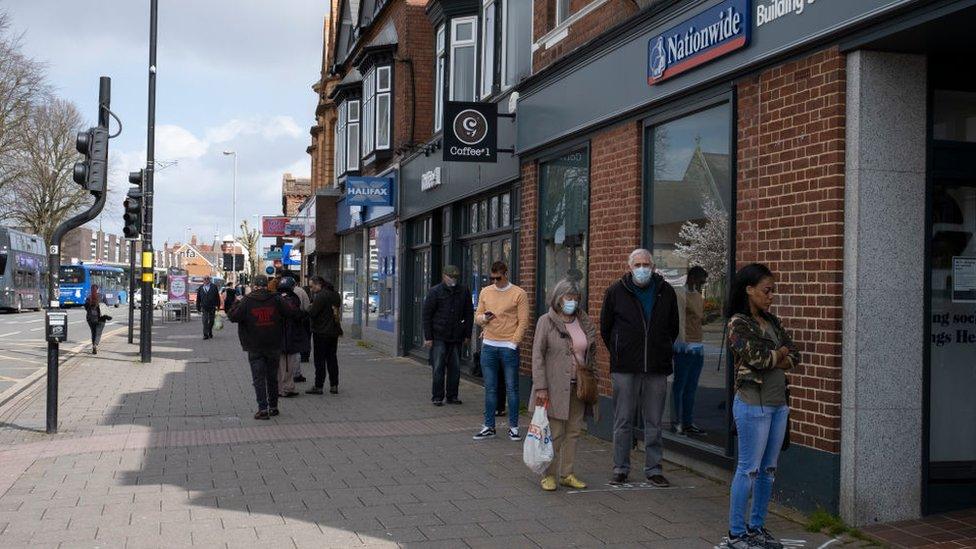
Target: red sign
(274, 226)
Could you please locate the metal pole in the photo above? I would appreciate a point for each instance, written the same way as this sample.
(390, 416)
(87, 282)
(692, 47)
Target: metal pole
(54, 263)
(132, 287)
(233, 227)
(145, 327)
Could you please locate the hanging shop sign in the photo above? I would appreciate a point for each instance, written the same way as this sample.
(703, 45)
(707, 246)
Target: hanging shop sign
(470, 132)
(709, 35)
(290, 255)
(369, 191)
(294, 228)
(272, 226)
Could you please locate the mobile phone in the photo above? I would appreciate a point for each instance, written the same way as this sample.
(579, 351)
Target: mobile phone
(489, 314)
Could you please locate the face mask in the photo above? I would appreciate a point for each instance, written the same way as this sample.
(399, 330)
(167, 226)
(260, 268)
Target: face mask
(569, 307)
(642, 275)
(451, 282)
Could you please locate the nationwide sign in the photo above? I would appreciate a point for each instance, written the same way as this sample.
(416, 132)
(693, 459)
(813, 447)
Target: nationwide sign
(369, 191)
(470, 132)
(709, 35)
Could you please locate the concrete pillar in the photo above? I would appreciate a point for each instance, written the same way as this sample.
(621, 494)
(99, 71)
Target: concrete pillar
(881, 452)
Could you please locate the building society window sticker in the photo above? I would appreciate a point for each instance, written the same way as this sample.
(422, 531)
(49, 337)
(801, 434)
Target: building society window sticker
(709, 35)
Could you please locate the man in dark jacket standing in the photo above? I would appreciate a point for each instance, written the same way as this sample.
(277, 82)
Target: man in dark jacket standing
(326, 329)
(208, 301)
(261, 317)
(230, 297)
(447, 318)
(639, 324)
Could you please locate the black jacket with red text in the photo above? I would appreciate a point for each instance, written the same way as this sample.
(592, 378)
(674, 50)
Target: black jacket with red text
(260, 316)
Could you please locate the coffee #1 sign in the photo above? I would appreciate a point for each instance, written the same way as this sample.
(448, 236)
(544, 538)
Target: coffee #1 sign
(709, 35)
(470, 132)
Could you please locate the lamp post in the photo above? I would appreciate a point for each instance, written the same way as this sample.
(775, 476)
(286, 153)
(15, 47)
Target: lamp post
(234, 223)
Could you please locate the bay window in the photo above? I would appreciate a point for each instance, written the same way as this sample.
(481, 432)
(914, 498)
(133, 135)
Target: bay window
(347, 137)
(487, 48)
(340, 141)
(369, 106)
(516, 41)
(464, 46)
(376, 109)
(439, 89)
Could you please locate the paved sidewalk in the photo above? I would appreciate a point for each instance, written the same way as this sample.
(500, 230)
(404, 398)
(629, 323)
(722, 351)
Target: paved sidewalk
(168, 455)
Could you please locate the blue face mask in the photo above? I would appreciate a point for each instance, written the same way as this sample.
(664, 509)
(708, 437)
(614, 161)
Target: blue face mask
(569, 306)
(642, 275)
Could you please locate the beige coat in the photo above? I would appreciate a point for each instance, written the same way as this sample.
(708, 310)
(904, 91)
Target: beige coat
(553, 364)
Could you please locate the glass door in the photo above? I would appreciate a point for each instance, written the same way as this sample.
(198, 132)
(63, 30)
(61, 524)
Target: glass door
(421, 285)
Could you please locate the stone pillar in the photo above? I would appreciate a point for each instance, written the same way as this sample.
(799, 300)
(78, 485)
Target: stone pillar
(881, 436)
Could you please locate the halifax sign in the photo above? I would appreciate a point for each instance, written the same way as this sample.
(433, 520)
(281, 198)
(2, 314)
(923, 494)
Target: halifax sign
(369, 191)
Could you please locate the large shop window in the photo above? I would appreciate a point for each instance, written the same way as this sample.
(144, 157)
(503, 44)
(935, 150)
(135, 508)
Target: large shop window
(376, 110)
(382, 276)
(464, 45)
(349, 279)
(689, 196)
(517, 41)
(564, 206)
(439, 89)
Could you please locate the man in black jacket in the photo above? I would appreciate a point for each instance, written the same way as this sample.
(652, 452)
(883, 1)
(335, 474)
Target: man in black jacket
(447, 318)
(324, 313)
(208, 300)
(260, 316)
(639, 324)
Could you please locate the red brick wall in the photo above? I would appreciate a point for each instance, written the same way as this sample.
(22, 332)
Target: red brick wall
(581, 32)
(416, 43)
(790, 203)
(615, 223)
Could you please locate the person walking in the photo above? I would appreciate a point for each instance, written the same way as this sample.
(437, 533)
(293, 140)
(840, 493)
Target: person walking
(294, 340)
(565, 339)
(208, 301)
(447, 322)
(260, 316)
(94, 317)
(306, 302)
(762, 351)
(230, 296)
(639, 325)
(503, 312)
(326, 329)
(689, 353)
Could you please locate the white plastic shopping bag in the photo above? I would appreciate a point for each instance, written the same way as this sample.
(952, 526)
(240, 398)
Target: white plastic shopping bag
(218, 322)
(537, 452)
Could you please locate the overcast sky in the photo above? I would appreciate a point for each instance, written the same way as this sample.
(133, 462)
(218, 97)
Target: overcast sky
(232, 75)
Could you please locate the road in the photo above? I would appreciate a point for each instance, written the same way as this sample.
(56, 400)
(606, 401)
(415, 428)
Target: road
(22, 347)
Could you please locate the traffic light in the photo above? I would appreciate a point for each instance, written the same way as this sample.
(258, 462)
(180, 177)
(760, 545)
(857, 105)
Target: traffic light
(92, 172)
(132, 219)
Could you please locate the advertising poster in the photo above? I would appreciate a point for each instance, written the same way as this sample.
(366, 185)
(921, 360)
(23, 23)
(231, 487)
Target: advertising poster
(177, 288)
(964, 279)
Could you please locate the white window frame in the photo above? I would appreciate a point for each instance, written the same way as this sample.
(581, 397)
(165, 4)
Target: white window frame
(340, 143)
(562, 10)
(456, 44)
(504, 49)
(488, 47)
(381, 92)
(440, 65)
(352, 157)
(369, 105)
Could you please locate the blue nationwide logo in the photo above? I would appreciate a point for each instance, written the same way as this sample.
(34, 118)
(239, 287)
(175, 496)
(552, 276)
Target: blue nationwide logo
(707, 36)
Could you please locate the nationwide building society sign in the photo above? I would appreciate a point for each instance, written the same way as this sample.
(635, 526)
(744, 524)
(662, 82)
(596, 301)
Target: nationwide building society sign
(716, 32)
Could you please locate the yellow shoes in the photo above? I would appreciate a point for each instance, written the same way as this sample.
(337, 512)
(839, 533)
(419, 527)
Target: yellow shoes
(549, 483)
(572, 482)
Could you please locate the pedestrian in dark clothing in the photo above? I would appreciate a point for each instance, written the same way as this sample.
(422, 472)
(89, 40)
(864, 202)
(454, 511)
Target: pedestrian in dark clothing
(294, 340)
(639, 324)
(208, 301)
(326, 329)
(94, 317)
(447, 319)
(261, 316)
(230, 297)
(303, 294)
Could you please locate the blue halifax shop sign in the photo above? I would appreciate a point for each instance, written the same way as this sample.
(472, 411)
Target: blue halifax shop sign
(367, 199)
(715, 32)
(369, 191)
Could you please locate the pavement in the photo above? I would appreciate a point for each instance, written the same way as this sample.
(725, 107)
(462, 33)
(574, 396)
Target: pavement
(167, 454)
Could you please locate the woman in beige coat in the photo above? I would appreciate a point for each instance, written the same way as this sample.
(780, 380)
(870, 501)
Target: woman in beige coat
(564, 337)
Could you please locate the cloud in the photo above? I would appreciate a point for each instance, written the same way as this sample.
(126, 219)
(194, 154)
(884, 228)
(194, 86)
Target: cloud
(267, 127)
(177, 143)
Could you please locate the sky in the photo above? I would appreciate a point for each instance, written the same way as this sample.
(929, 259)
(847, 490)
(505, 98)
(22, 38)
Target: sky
(231, 75)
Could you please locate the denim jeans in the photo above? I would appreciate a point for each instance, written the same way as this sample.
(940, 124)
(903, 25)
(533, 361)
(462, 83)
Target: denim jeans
(761, 431)
(264, 375)
(688, 362)
(445, 357)
(494, 359)
(208, 316)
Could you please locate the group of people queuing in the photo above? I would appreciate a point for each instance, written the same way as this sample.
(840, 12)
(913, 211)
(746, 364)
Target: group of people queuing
(651, 331)
(281, 328)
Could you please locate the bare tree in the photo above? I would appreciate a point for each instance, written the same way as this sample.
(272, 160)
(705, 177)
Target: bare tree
(250, 239)
(22, 88)
(43, 195)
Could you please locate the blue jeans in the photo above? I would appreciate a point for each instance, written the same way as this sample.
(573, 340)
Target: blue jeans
(492, 359)
(445, 358)
(688, 362)
(761, 431)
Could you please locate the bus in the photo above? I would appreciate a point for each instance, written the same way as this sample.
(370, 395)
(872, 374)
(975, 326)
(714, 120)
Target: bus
(76, 281)
(23, 270)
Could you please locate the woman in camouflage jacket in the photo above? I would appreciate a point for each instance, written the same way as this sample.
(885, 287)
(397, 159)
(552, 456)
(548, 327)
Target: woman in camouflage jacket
(762, 351)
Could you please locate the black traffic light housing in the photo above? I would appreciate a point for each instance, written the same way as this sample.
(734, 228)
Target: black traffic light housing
(92, 172)
(132, 218)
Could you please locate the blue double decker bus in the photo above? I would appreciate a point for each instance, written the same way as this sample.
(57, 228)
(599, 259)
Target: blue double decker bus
(76, 282)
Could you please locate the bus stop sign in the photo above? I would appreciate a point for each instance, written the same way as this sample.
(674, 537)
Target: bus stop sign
(56, 325)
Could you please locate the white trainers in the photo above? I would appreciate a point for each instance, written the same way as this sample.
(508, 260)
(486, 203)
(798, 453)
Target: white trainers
(485, 432)
(513, 433)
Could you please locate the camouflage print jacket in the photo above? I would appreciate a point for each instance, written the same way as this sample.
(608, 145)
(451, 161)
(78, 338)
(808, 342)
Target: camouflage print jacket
(752, 350)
